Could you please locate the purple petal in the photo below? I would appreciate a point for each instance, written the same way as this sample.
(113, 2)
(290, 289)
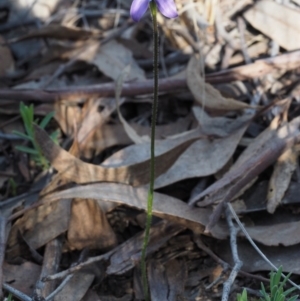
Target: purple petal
(138, 9)
(167, 8)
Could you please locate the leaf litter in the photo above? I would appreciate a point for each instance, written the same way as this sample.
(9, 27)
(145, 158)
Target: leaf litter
(229, 134)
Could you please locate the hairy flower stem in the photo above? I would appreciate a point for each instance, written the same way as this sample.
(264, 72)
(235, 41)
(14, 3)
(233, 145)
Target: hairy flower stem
(153, 10)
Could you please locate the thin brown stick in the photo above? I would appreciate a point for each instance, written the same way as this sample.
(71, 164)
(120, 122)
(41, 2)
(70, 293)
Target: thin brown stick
(261, 67)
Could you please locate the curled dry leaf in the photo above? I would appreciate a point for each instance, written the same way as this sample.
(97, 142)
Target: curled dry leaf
(207, 95)
(281, 177)
(277, 21)
(73, 169)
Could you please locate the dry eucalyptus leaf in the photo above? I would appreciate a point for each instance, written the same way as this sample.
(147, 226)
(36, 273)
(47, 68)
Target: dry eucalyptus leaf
(73, 169)
(262, 154)
(287, 257)
(114, 134)
(92, 120)
(207, 95)
(112, 58)
(131, 133)
(39, 226)
(88, 227)
(281, 178)
(22, 277)
(277, 21)
(163, 206)
(7, 63)
(205, 156)
(76, 288)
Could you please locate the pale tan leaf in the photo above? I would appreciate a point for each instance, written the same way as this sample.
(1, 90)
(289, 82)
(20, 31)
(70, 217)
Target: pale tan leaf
(73, 169)
(114, 134)
(206, 156)
(207, 95)
(277, 21)
(164, 206)
(281, 177)
(112, 58)
(88, 227)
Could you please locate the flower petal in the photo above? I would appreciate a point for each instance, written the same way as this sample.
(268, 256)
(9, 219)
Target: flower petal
(167, 8)
(138, 9)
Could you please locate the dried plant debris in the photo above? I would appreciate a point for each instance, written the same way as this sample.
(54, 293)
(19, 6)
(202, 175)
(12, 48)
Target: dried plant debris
(227, 132)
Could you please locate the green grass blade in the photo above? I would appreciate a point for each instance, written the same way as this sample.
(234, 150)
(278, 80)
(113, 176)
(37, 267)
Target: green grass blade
(26, 149)
(46, 120)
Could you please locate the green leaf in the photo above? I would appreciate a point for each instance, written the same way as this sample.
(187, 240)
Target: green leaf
(46, 120)
(22, 135)
(243, 296)
(26, 149)
(290, 290)
(294, 298)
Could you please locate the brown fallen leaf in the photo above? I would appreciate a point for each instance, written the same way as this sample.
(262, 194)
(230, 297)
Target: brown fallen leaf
(73, 169)
(76, 288)
(263, 154)
(88, 227)
(164, 206)
(114, 134)
(279, 22)
(22, 277)
(281, 177)
(287, 257)
(206, 156)
(131, 133)
(207, 95)
(39, 226)
(7, 64)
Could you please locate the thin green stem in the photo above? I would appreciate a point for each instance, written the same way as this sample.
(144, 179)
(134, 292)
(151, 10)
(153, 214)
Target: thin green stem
(153, 10)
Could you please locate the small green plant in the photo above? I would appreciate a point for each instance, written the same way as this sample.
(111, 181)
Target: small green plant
(242, 296)
(12, 186)
(277, 292)
(27, 114)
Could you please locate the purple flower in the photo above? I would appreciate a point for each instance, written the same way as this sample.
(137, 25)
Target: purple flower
(139, 7)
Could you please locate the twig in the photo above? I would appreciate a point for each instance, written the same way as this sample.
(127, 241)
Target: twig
(16, 293)
(255, 246)
(3, 223)
(237, 263)
(202, 246)
(78, 267)
(261, 67)
(59, 288)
